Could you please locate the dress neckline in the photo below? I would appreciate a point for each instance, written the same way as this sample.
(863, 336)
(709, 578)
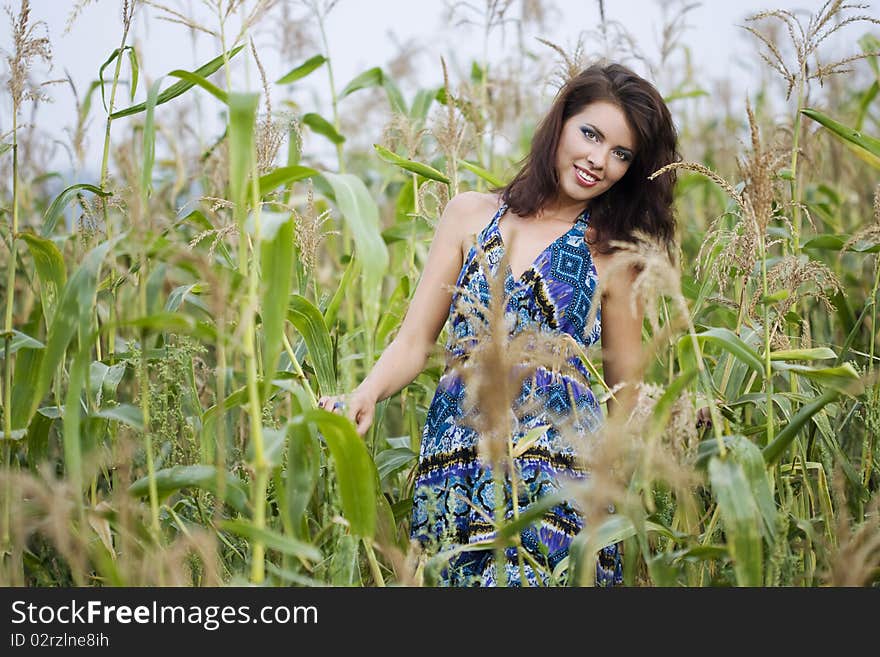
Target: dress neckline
(579, 223)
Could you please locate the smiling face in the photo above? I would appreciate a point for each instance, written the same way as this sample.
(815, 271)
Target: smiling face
(596, 148)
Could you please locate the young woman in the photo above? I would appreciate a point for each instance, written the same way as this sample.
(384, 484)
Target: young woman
(583, 185)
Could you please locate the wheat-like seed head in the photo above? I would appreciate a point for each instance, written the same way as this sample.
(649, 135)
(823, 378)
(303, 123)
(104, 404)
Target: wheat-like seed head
(569, 65)
(805, 41)
(170, 15)
(403, 132)
(871, 232)
(792, 273)
(855, 560)
(451, 131)
(27, 47)
(308, 230)
(658, 274)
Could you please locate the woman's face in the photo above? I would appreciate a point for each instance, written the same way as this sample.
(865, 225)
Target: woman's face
(596, 148)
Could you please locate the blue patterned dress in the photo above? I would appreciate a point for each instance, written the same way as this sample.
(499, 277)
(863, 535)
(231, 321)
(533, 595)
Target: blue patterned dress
(453, 502)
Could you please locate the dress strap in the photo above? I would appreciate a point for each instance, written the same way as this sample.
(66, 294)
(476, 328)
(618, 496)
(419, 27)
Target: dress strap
(584, 217)
(493, 222)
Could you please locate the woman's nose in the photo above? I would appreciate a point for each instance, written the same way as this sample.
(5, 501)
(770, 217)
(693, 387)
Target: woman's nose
(598, 156)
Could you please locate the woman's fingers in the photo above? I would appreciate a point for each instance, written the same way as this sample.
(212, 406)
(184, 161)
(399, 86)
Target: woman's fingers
(334, 404)
(361, 417)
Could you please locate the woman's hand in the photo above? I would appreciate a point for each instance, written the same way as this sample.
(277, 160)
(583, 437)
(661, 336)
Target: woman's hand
(358, 406)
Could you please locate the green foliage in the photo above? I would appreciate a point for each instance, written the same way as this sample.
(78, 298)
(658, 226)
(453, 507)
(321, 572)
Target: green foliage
(184, 353)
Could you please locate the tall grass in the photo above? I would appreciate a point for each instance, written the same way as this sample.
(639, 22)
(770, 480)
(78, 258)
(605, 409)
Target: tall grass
(162, 360)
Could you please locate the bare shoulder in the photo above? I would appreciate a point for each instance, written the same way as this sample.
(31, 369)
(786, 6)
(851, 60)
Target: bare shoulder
(466, 214)
(471, 210)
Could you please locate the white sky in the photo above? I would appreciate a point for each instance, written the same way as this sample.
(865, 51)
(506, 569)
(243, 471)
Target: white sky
(362, 34)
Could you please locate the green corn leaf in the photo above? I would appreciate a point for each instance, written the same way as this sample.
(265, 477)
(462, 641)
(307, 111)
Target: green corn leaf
(376, 77)
(422, 103)
(355, 472)
(135, 69)
(726, 340)
(817, 353)
(107, 62)
(864, 146)
(171, 480)
(276, 270)
(389, 461)
(209, 417)
(835, 242)
(685, 93)
(24, 386)
(242, 118)
(741, 518)
(50, 270)
(272, 540)
(302, 70)
(867, 98)
(125, 413)
(770, 299)
(362, 214)
(586, 545)
(774, 450)
(303, 463)
(97, 375)
(370, 78)
(162, 322)
(309, 322)
(395, 309)
(395, 97)
(149, 148)
(75, 312)
(749, 456)
(188, 293)
(663, 408)
(344, 562)
(18, 340)
(386, 527)
(87, 102)
(352, 270)
(181, 87)
(273, 446)
(490, 178)
(322, 126)
(416, 167)
(71, 422)
(53, 214)
(194, 79)
(283, 176)
(842, 378)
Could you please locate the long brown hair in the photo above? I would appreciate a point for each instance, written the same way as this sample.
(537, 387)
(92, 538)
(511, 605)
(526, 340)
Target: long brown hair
(631, 203)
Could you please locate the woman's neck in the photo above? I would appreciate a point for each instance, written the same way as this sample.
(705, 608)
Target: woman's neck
(561, 209)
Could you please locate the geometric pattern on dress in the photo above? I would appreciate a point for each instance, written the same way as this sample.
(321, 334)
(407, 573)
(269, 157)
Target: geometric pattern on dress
(453, 498)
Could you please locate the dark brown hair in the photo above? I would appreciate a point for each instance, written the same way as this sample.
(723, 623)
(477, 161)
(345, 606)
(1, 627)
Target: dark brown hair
(633, 202)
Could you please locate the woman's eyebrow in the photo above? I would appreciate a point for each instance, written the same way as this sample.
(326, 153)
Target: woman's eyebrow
(602, 135)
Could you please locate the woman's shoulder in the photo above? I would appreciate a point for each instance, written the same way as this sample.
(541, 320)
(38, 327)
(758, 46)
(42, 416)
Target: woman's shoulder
(473, 202)
(470, 211)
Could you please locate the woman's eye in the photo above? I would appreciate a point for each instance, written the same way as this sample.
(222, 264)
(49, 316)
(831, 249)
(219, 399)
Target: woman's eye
(589, 134)
(622, 155)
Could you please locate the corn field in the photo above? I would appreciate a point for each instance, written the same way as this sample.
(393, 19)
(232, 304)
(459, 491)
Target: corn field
(171, 318)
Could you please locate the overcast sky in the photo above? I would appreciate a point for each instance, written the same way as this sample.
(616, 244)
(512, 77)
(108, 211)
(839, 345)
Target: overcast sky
(365, 33)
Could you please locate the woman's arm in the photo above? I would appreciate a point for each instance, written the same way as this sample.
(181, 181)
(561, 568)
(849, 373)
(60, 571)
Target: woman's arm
(406, 356)
(622, 341)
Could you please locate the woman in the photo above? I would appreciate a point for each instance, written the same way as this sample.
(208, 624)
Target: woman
(582, 186)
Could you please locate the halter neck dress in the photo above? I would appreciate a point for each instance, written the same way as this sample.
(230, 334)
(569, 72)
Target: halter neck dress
(453, 500)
